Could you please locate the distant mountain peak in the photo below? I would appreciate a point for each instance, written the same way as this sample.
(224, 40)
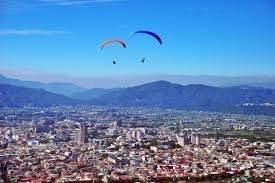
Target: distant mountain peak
(63, 88)
(160, 82)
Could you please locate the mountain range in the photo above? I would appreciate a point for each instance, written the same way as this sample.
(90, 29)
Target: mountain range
(66, 89)
(163, 94)
(239, 99)
(17, 96)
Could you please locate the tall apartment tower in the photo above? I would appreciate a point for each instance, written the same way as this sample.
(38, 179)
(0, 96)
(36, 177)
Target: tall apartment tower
(83, 135)
(184, 140)
(196, 138)
(118, 124)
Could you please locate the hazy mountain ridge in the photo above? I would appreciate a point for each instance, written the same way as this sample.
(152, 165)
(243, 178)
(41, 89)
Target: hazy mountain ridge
(55, 87)
(135, 80)
(17, 96)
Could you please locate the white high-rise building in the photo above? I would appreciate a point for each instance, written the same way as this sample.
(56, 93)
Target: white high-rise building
(187, 139)
(137, 133)
(184, 140)
(196, 138)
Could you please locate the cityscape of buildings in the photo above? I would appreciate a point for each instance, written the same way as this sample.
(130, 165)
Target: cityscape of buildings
(101, 144)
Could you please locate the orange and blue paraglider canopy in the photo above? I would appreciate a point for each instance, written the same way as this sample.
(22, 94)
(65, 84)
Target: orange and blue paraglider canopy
(113, 41)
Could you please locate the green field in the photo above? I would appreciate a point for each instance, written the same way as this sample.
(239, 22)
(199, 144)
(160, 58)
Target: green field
(252, 135)
(240, 133)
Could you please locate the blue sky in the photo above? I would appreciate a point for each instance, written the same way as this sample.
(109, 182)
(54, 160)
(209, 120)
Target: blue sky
(212, 37)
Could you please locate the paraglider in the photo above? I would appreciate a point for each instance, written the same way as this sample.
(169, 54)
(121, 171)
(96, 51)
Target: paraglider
(113, 41)
(142, 61)
(154, 35)
(149, 33)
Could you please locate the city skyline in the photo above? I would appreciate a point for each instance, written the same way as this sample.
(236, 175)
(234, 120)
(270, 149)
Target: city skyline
(103, 144)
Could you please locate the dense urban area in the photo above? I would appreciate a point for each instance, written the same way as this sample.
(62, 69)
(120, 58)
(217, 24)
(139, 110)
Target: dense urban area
(103, 144)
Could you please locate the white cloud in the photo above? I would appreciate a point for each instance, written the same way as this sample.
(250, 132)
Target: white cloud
(84, 2)
(26, 32)
(9, 6)
(78, 2)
